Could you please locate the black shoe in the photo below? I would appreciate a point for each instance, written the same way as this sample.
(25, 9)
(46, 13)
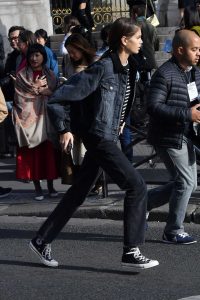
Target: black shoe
(43, 251)
(4, 192)
(134, 259)
(5, 155)
(53, 193)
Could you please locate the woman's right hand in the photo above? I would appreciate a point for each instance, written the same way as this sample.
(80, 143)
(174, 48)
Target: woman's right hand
(66, 139)
(40, 81)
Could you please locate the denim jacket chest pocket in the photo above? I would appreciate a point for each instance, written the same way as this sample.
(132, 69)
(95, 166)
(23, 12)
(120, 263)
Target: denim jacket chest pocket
(108, 98)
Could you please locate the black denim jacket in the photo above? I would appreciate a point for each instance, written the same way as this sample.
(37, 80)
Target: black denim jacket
(91, 101)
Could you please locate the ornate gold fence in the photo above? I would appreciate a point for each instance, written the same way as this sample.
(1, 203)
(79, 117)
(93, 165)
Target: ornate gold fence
(103, 11)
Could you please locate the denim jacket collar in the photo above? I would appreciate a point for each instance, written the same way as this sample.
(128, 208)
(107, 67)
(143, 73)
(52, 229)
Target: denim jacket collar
(118, 68)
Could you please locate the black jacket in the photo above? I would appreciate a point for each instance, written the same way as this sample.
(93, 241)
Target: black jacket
(150, 8)
(169, 105)
(146, 56)
(83, 15)
(2, 56)
(10, 67)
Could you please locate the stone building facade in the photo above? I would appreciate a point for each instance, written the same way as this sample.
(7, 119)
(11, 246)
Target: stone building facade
(32, 14)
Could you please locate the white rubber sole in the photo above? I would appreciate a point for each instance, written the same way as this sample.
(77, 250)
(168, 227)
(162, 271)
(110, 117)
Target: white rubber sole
(47, 263)
(175, 243)
(153, 263)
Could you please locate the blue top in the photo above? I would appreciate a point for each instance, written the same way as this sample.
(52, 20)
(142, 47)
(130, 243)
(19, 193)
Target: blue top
(52, 62)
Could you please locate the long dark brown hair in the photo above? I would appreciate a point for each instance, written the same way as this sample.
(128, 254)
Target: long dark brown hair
(28, 37)
(77, 41)
(121, 27)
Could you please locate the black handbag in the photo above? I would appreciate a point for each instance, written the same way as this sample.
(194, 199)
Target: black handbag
(139, 114)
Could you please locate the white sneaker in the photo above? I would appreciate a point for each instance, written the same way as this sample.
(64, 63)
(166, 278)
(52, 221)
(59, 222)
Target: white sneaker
(39, 198)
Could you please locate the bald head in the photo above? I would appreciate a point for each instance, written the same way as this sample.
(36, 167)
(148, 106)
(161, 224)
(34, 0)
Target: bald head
(186, 48)
(184, 38)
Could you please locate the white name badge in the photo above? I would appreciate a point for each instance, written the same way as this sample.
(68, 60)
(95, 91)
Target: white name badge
(192, 90)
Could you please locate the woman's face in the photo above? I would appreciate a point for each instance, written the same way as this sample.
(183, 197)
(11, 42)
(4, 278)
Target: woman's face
(41, 41)
(36, 60)
(133, 44)
(23, 46)
(74, 53)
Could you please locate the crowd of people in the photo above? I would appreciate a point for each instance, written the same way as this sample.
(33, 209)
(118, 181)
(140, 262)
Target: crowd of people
(85, 116)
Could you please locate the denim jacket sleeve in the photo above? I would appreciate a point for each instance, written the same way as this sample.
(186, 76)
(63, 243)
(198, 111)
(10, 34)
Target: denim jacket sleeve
(76, 88)
(80, 85)
(60, 117)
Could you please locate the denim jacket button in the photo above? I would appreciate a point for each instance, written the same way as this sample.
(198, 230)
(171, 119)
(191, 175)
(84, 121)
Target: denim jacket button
(111, 88)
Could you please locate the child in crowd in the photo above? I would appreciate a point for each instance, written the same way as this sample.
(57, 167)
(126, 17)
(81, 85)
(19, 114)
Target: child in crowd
(52, 62)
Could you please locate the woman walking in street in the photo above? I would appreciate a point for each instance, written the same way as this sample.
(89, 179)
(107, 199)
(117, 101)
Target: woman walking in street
(101, 93)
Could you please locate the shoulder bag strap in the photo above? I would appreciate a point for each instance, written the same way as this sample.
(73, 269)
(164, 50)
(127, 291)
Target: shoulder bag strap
(145, 10)
(151, 6)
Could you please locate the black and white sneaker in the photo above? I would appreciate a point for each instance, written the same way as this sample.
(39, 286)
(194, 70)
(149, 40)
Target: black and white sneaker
(4, 192)
(43, 251)
(133, 258)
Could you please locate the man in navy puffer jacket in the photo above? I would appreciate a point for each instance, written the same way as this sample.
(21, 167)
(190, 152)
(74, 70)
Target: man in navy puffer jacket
(174, 116)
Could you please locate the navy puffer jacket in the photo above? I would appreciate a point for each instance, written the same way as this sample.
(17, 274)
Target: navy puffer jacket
(169, 105)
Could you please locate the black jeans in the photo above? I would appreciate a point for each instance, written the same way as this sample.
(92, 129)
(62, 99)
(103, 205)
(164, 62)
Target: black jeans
(104, 154)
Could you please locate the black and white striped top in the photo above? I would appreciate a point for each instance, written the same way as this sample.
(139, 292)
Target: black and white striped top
(126, 97)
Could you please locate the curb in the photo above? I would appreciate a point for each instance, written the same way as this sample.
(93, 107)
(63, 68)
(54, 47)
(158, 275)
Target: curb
(111, 212)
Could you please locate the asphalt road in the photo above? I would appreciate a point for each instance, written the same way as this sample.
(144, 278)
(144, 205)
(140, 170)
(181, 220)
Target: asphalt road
(89, 253)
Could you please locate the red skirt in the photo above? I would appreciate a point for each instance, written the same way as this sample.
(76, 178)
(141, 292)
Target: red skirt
(40, 162)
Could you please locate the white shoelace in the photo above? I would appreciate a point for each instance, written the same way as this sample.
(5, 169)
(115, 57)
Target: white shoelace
(183, 234)
(137, 254)
(47, 251)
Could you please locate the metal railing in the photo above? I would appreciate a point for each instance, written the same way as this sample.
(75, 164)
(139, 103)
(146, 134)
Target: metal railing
(103, 11)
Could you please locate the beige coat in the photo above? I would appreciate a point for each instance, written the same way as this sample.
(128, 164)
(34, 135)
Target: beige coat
(30, 118)
(3, 107)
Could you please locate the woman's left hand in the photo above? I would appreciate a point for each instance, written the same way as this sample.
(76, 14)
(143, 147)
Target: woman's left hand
(44, 90)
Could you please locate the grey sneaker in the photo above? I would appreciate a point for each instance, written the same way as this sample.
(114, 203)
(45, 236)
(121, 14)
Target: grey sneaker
(44, 253)
(134, 259)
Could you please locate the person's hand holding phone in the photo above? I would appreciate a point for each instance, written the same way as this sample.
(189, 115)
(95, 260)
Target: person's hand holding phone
(66, 141)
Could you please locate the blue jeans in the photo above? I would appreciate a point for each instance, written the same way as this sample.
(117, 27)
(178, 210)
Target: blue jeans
(125, 140)
(181, 165)
(104, 154)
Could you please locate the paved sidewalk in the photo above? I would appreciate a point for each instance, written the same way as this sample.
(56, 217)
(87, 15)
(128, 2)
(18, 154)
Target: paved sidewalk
(21, 201)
